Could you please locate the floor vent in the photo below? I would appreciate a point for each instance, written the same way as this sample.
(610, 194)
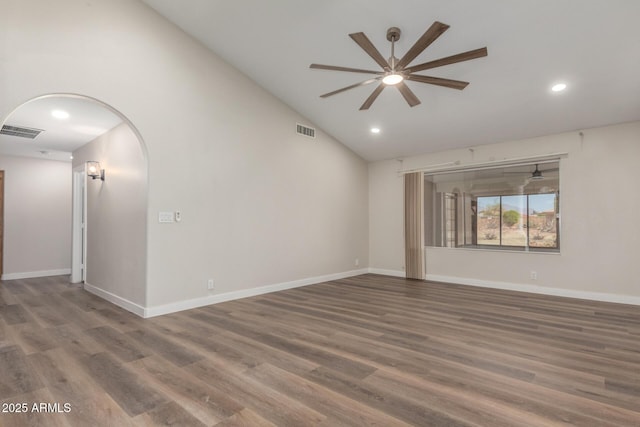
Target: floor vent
(305, 130)
(20, 131)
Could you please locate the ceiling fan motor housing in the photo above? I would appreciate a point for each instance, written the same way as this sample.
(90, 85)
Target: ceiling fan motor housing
(393, 34)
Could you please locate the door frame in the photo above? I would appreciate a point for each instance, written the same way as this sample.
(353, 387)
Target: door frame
(1, 222)
(79, 225)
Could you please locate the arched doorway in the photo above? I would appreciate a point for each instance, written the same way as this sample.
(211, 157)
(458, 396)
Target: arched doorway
(108, 217)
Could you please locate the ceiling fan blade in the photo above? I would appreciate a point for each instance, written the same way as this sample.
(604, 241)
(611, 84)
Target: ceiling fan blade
(409, 96)
(337, 68)
(434, 31)
(364, 42)
(373, 96)
(453, 84)
(461, 57)
(366, 82)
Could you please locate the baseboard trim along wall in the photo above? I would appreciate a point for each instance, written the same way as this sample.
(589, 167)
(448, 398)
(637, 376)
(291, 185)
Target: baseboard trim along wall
(245, 293)
(32, 274)
(115, 299)
(534, 289)
(383, 272)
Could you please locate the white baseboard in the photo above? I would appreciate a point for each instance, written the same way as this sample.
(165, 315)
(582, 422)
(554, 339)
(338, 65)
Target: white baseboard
(534, 289)
(245, 293)
(394, 273)
(115, 299)
(32, 274)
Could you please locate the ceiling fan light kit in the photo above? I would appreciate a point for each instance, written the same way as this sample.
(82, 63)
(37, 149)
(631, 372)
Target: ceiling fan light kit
(396, 71)
(392, 79)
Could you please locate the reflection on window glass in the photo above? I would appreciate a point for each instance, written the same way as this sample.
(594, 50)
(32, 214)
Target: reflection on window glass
(514, 226)
(514, 207)
(520, 221)
(488, 221)
(451, 226)
(543, 231)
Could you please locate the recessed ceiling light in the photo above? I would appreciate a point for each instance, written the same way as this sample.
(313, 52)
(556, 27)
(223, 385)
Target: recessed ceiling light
(375, 130)
(558, 87)
(60, 114)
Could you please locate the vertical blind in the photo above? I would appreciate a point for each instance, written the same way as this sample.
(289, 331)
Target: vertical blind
(414, 224)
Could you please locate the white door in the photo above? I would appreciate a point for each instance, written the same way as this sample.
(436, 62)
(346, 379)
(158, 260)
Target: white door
(78, 219)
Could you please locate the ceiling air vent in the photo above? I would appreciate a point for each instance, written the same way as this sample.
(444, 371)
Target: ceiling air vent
(305, 130)
(20, 131)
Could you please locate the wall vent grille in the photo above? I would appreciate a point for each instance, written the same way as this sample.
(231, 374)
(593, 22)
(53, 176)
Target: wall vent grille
(305, 130)
(20, 131)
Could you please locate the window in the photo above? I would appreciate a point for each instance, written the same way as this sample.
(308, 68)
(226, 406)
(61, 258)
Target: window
(515, 207)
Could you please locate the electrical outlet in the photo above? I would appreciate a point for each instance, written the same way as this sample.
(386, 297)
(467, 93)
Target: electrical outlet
(210, 284)
(357, 262)
(534, 275)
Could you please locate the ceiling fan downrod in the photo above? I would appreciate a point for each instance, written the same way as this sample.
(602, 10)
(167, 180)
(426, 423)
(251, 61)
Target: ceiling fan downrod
(393, 35)
(393, 77)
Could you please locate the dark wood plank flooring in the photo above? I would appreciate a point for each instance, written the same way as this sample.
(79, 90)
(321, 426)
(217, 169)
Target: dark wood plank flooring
(365, 351)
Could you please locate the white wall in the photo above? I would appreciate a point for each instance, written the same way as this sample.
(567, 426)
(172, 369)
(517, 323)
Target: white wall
(600, 240)
(117, 215)
(37, 217)
(386, 218)
(260, 204)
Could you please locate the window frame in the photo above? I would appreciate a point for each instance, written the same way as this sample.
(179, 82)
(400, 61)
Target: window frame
(527, 246)
(468, 209)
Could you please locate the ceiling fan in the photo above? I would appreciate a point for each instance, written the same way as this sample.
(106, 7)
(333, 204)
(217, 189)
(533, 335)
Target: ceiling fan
(395, 71)
(536, 174)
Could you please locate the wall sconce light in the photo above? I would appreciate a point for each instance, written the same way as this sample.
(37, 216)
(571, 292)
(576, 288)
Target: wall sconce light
(94, 171)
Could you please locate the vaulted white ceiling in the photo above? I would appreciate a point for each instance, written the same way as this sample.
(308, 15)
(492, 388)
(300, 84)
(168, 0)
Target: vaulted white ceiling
(591, 45)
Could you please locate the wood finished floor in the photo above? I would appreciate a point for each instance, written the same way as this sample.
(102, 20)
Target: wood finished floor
(369, 350)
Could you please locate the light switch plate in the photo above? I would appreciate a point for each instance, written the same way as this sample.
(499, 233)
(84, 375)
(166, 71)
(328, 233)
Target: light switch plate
(165, 217)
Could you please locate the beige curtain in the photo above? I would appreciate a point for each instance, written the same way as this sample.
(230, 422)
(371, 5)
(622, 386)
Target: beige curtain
(414, 224)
